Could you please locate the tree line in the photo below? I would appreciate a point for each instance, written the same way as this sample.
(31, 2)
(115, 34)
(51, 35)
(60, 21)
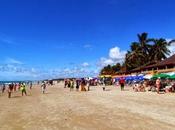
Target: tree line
(146, 51)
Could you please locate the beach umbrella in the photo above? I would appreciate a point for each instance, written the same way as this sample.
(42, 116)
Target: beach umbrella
(141, 75)
(162, 76)
(147, 76)
(171, 73)
(172, 77)
(141, 78)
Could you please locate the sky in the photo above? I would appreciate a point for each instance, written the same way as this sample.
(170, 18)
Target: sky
(75, 38)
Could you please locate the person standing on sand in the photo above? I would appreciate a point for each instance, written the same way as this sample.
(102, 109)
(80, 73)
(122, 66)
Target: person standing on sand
(122, 83)
(71, 85)
(104, 83)
(77, 84)
(31, 85)
(43, 86)
(23, 89)
(65, 83)
(14, 87)
(83, 84)
(158, 85)
(10, 90)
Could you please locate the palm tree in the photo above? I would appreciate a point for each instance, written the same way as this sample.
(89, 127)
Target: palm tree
(139, 54)
(141, 49)
(159, 50)
(143, 41)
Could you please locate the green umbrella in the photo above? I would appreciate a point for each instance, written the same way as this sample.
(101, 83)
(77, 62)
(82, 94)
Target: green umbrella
(162, 76)
(172, 77)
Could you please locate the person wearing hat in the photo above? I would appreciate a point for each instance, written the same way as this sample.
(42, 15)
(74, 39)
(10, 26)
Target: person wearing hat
(158, 85)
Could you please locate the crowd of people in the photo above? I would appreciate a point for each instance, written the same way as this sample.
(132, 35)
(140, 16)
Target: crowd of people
(158, 85)
(22, 87)
(14, 87)
(79, 84)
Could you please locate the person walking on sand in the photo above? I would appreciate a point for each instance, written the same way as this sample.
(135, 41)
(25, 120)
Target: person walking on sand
(158, 85)
(3, 88)
(23, 89)
(43, 86)
(71, 85)
(10, 90)
(122, 83)
(88, 84)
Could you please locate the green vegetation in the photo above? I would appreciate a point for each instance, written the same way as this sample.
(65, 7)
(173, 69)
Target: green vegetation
(145, 52)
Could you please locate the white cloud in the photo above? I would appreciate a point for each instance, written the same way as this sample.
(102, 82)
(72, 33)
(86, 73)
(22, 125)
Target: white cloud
(87, 46)
(171, 47)
(85, 64)
(116, 55)
(16, 72)
(105, 61)
(13, 61)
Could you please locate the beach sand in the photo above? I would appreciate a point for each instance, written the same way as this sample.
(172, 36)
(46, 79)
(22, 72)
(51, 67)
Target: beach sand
(61, 109)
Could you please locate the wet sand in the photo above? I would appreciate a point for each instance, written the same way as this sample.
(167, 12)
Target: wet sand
(60, 109)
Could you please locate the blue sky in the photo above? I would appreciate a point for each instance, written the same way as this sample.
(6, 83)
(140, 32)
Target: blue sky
(65, 38)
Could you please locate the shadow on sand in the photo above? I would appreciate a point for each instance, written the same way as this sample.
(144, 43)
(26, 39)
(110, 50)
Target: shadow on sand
(47, 93)
(108, 90)
(16, 96)
(126, 90)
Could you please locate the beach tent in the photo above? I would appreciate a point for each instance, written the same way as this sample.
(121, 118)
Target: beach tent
(162, 76)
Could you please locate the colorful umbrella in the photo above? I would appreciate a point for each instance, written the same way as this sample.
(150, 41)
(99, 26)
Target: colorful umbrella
(162, 76)
(172, 77)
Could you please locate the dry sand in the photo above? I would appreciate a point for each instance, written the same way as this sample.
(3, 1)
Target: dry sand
(61, 109)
